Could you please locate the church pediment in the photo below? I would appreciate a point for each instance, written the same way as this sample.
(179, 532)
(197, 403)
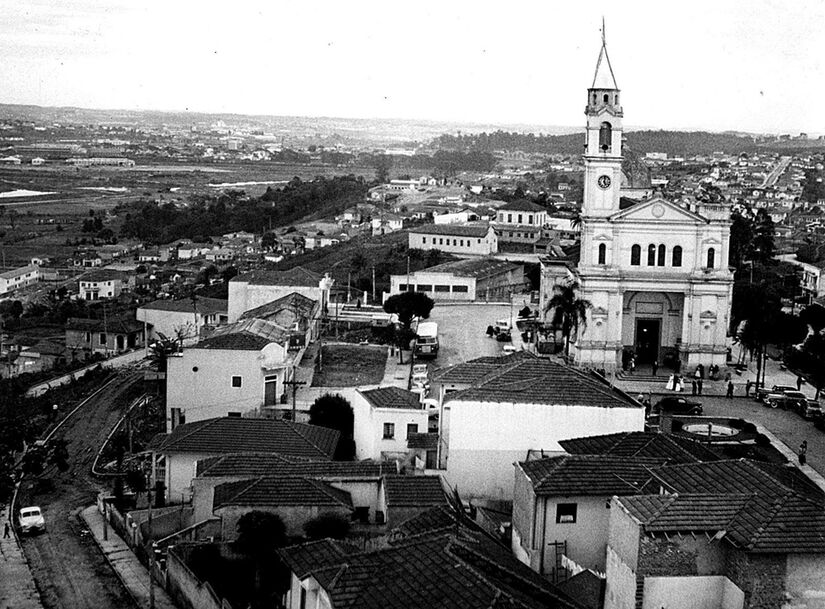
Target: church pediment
(658, 210)
(602, 237)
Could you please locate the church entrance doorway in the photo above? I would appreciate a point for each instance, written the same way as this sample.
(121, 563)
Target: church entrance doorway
(647, 340)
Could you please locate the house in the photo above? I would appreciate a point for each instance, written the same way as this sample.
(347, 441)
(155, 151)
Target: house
(175, 454)
(459, 567)
(296, 500)
(188, 251)
(43, 355)
(102, 284)
(182, 319)
(474, 239)
(464, 280)
(256, 288)
(521, 213)
(496, 409)
(385, 417)
(404, 497)
(105, 336)
(386, 222)
(18, 278)
(458, 217)
(238, 369)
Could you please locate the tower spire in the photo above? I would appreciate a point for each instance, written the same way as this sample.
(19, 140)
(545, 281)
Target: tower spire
(604, 78)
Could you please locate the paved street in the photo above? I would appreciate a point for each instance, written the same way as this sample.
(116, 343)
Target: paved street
(68, 568)
(462, 331)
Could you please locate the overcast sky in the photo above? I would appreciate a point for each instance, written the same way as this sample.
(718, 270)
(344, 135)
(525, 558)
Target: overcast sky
(751, 65)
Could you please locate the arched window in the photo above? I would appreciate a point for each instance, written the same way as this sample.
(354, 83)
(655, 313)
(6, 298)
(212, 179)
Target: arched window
(602, 253)
(594, 99)
(606, 98)
(677, 255)
(711, 258)
(661, 255)
(651, 255)
(617, 99)
(636, 255)
(605, 137)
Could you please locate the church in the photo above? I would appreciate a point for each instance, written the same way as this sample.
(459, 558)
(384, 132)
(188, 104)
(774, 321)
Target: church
(655, 272)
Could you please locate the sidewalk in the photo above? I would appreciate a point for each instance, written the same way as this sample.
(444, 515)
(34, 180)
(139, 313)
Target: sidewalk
(132, 573)
(17, 587)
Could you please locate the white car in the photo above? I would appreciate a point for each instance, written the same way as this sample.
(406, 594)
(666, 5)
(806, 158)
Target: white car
(31, 520)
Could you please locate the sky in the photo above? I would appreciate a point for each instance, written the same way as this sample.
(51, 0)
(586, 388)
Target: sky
(749, 65)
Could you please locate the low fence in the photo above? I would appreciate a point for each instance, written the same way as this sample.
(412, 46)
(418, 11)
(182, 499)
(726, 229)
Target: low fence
(186, 589)
(113, 362)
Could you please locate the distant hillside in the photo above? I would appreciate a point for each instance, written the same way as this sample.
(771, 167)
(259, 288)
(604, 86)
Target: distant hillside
(675, 143)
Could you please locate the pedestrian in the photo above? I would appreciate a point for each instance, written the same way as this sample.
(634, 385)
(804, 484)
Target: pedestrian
(678, 366)
(699, 387)
(803, 452)
(730, 390)
(693, 387)
(655, 367)
(632, 364)
(727, 377)
(748, 389)
(6, 529)
(798, 382)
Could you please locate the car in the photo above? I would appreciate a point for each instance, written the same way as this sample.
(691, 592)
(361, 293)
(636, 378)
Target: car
(763, 392)
(420, 369)
(788, 400)
(31, 520)
(812, 410)
(677, 405)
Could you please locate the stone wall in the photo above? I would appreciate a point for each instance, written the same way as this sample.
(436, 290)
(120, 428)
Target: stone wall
(760, 576)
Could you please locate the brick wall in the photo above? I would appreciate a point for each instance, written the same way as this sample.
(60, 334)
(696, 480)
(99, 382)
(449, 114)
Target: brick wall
(760, 576)
(658, 556)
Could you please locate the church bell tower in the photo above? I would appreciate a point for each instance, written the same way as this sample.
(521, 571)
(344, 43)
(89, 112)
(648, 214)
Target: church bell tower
(603, 148)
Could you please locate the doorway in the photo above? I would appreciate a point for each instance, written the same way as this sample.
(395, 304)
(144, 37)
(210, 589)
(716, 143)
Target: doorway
(647, 340)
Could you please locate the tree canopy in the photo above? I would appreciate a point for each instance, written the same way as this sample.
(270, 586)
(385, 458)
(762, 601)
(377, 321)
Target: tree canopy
(408, 305)
(335, 412)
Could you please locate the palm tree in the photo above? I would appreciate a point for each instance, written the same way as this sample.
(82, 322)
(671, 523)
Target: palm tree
(569, 311)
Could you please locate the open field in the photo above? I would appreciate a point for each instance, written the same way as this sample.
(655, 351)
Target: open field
(350, 366)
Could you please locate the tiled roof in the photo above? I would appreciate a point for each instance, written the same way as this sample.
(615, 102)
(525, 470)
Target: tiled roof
(303, 558)
(664, 513)
(414, 491)
(203, 305)
(473, 267)
(392, 397)
(438, 518)
(280, 491)
(477, 229)
(475, 370)
(236, 435)
(573, 475)
(245, 335)
(674, 449)
(587, 588)
(542, 381)
(449, 571)
(522, 205)
(425, 441)
(268, 464)
(113, 324)
(297, 276)
(296, 304)
(102, 275)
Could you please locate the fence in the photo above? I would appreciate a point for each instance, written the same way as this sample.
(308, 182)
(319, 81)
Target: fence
(113, 362)
(186, 589)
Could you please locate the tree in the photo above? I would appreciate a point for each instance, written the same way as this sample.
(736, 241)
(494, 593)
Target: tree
(741, 239)
(763, 238)
(814, 316)
(569, 311)
(335, 412)
(268, 241)
(408, 305)
(160, 350)
(59, 454)
(259, 535)
(228, 273)
(327, 525)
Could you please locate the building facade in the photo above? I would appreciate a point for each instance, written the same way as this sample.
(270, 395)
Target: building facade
(656, 273)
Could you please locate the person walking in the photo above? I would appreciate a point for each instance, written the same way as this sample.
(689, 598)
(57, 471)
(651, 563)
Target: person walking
(803, 452)
(6, 529)
(655, 367)
(730, 390)
(632, 364)
(699, 386)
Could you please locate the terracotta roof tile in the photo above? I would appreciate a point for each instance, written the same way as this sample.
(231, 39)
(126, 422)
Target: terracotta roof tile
(280, 491)
(269, 464)
(414, 491)
(392, 397)
(674, 449)
(425, 441)
(573, 475)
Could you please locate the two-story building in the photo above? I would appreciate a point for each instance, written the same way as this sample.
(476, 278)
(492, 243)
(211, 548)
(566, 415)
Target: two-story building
(473, 239)
(18, 278)
(386, 417)
(468, 279)
(102, 284)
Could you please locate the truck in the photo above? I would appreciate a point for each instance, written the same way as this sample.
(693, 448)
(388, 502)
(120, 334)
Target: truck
(426, 345)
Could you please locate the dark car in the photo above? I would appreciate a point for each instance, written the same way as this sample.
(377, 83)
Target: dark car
(677, 405)
(763, 392)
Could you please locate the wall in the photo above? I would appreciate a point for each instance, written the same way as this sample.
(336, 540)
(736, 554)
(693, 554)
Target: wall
(443, 280)
(369, 422)
(620, 588)
(761, 576)
(524, 508)
(472, 245)
(180, 470)
(169, 323)
(586, 538)
(113, 362)
(701, 592)
(244, 296)
(622, 558)
(805, 580)
(294, 516)
(486, 438)
(208, 392)
(185, 588)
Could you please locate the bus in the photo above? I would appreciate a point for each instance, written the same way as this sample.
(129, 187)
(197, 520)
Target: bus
(426, 345)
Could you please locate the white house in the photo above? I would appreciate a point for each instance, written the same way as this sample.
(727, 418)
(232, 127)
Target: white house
(475, 239)
(18, 278)
(260, 287)
(495, 409)
(182, 319)
(521, 213)
(384, 419)
(102, 284)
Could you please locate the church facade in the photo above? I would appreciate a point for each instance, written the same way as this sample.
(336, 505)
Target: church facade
(656, 272)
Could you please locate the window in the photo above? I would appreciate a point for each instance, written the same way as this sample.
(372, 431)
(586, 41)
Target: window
(455, 241)
(88, 337)
(519, 218)
(402, 287)
(677, 255)
(479, 240)
(462, 243)
(441, 241)
(412, 428)
(651, 255)
(178, 417)
(442, 288)
(423, 240)
(235, 415)
(605, 135)
(711, 258)
(530, 219)
(636, 255)
(389, 431)
(236, 381)
(606, 98)
(602, 253)
(510, 218)
(102, 338)
(566, 512)
(424, 287)
(460, 288)
(661, 255)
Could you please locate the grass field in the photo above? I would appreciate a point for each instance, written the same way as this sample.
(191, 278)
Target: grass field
(350, 366)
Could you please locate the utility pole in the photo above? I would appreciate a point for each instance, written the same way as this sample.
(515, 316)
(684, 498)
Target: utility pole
(373, 284)
(408, 273)
(294, 384)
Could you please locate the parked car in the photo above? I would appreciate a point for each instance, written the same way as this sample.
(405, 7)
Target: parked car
(763, 392)
(676, 405)
(31, 520)
(812, 410)
(789, 400)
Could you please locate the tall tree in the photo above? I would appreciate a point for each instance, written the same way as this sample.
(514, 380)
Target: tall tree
(335, 412)
(408, 305)
(763, 237)
(259, 535)
(569, 312)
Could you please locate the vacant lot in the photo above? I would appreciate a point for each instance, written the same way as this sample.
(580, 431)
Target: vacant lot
(350, 366)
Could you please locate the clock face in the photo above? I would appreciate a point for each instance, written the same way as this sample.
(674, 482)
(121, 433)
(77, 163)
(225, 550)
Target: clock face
(604, 181)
